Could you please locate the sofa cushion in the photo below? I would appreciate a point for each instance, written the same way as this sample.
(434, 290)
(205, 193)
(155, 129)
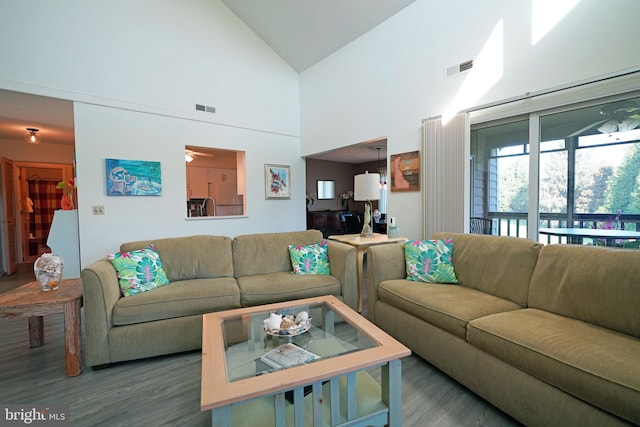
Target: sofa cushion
(429, 261)
(191, 257)
(498, 265)
(268, 252)
(284, 286)
(449, 307)
(310, 259)
(178, 299)
(593, 284)
(592, 363)
(138, 271)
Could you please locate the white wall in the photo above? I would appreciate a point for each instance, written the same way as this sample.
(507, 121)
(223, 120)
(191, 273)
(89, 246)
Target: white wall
(389, 80)
(135, 71)
(103, 132)
(152, 53)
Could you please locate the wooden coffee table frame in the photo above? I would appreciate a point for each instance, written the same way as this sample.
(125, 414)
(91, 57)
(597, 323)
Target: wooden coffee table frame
(30, 301)
(218, 394)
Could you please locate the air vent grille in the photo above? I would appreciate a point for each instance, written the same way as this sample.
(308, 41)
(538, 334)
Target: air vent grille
(459, 68)
(465, 66)
(205, 108)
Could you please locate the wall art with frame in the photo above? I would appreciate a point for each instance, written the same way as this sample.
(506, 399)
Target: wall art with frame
(405, 171)
(277, 181)
(133, 177)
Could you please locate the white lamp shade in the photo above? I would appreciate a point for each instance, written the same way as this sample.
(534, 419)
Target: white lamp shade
(366, 186)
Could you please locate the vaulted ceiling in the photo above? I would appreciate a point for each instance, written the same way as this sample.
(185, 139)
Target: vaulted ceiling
(302, 32)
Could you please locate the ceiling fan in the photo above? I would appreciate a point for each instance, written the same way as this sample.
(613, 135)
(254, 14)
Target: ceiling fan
(616, 117)
(190, 154)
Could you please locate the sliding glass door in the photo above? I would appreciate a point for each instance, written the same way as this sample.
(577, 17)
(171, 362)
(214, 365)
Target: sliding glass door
(587, 162)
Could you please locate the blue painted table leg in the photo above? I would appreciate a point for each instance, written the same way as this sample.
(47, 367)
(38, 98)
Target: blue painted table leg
(392, 391)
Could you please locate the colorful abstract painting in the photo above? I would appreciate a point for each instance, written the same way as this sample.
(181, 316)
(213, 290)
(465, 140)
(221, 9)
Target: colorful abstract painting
(133, 178)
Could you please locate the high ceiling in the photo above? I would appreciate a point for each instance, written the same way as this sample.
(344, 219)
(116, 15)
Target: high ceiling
(302, 32)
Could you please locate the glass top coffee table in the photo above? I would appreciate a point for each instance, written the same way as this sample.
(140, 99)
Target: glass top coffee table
(316, 375)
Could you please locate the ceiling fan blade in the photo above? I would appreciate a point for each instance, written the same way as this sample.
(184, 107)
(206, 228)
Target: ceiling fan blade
(200, 153)
(586, 128)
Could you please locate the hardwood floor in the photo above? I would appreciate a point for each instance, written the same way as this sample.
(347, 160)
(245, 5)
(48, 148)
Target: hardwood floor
(165, 391)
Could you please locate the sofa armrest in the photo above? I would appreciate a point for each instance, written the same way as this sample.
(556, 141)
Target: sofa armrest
(101, 292)
(342, 261)
(384, 262)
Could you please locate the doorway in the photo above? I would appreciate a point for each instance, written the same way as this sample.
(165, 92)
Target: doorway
(39, 199)
(33, 199)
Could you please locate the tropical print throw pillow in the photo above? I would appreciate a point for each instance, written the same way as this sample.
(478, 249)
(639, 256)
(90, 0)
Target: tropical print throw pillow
(430, 261)
(138, 271)
(311, 259)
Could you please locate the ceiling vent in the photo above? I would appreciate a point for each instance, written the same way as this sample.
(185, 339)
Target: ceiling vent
(205, 108)
(458, 69)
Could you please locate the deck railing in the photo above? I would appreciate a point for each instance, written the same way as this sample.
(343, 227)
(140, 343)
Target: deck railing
(515, 224)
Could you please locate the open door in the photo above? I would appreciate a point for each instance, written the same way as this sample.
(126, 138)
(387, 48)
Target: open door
(9, 219)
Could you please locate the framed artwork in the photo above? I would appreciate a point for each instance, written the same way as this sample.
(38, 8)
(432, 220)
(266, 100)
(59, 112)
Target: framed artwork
(133, 178)
(277, 180)
(405, 171)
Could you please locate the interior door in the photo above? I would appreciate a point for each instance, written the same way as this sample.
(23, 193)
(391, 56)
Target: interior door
(9, 221)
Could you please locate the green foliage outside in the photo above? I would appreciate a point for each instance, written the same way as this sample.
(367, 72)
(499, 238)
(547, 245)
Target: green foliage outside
(598, 189)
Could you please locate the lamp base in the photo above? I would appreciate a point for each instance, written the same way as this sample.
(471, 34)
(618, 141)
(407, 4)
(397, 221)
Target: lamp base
(367, 231)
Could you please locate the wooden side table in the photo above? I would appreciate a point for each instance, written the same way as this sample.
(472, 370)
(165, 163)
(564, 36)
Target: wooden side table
(30, 301)
(362, 244)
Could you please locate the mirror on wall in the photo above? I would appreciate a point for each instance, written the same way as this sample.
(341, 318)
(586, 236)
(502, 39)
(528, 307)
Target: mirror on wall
(216, 182)
(326, 190)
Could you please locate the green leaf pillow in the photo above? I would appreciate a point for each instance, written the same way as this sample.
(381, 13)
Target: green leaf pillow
(138, 271)
(312, 259)
(430, 261)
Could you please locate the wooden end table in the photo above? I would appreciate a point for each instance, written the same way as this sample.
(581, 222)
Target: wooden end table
(362, 244)
(30, 301)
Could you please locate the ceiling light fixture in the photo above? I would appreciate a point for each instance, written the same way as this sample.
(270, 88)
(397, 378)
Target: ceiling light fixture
(32, 136)
(611, 126)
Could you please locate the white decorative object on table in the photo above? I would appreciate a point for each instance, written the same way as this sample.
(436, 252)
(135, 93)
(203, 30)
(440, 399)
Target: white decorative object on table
(48, 270)
(288, 325)
(273, 322)
(303, 316)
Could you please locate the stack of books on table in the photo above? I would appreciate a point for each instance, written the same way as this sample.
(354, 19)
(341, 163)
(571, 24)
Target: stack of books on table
(284, 356)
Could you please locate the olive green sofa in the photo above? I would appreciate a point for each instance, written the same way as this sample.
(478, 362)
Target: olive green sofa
(206, 274)
(549, 334)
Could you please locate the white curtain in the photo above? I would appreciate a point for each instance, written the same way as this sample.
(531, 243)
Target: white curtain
(445, 149)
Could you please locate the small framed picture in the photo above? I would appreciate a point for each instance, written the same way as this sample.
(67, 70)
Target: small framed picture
(405, 171)
(277, 180)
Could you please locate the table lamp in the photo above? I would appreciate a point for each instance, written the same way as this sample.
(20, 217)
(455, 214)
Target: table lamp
(366, 187)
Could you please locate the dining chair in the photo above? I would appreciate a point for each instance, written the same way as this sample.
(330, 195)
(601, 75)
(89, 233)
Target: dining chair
(479, 225)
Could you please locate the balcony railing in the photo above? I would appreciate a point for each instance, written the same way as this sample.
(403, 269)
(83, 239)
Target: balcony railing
(515, 224)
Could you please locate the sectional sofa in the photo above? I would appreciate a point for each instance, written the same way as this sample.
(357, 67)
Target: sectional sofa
(549, 334)
(206, 274)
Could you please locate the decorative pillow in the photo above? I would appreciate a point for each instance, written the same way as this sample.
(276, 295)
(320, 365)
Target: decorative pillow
(312, 259)
(138, 271)
(430, 261)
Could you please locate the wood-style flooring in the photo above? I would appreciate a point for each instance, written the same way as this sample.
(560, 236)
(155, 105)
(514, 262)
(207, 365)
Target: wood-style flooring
(165, 391)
